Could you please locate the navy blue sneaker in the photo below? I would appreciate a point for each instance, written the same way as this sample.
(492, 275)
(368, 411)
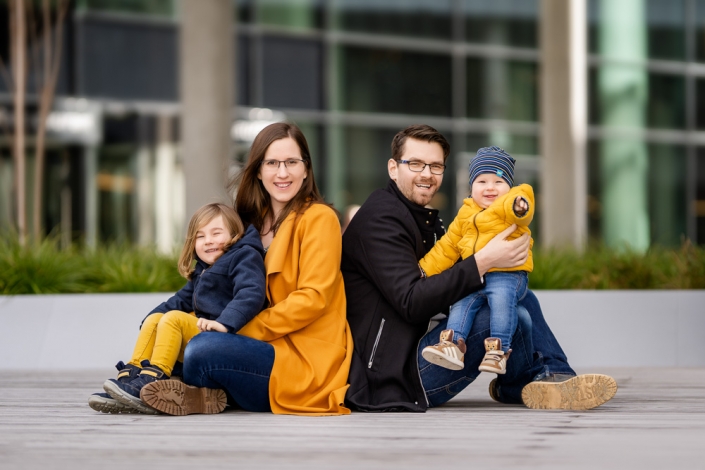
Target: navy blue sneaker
(128, 393)
(105, 403)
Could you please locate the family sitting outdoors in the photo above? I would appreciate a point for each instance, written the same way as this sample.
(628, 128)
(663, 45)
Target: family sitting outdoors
(281, 313)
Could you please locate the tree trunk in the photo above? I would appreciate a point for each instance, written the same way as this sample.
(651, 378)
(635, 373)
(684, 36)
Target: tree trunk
(49, 75)
(18, 42)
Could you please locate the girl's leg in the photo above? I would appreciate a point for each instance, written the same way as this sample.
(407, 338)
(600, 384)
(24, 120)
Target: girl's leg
(238, 364)
(145, 339)
(174, 331)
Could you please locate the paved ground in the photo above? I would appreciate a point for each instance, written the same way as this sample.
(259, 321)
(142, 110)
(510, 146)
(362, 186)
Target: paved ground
(656, 421)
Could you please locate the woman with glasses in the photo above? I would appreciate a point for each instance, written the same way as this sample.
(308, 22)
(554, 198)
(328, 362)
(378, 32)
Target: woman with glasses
(294, 357)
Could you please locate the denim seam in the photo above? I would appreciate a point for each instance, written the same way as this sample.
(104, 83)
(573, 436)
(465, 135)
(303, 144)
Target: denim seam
(446, 387)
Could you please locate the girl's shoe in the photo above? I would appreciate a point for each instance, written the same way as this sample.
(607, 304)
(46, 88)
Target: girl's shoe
(128, 393)
(105, 403)
(176, 398)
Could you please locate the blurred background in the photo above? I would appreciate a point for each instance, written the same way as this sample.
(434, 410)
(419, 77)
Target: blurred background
(145, 107)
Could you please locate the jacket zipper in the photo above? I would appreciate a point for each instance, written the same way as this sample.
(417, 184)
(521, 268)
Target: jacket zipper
(474, 222)
(194, 292)
(374, 348)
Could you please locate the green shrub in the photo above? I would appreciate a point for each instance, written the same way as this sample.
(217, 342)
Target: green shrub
(40, 268)
(44, 268)
(601, 268)
(130, 269)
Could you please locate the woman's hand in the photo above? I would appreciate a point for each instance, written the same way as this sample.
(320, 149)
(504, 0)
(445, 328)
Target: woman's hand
(502, 253)
(210, 325)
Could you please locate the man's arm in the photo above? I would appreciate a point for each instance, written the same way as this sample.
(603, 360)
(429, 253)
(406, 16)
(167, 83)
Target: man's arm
(382, 249)
(502, 253)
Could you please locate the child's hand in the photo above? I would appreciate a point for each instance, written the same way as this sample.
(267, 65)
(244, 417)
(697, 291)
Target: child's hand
(210, 325)
(520, 206)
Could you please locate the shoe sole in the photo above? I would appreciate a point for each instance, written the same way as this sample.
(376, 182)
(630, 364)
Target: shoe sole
(437, 358)
(178, 399)
(582, 392)
(492, 370)
(109, 405)
(126, 399)
(492, 391)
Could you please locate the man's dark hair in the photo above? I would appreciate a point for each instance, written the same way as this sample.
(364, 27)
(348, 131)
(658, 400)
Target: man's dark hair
(421, 132)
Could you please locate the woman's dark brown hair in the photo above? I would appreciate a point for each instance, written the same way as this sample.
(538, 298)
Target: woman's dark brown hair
(252, 201)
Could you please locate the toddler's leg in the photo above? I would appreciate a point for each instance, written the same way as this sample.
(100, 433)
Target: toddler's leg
(504, 291)
(449, 352)
(462, 314)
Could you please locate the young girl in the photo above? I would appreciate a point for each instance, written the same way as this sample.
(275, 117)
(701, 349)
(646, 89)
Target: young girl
(225, 290)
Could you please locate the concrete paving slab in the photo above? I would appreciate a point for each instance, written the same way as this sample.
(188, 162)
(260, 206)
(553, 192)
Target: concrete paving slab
(656, 421)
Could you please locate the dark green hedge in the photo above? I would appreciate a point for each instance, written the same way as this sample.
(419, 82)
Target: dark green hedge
(44, 268)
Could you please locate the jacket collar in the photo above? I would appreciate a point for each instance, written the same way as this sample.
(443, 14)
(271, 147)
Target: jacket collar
(426, 219)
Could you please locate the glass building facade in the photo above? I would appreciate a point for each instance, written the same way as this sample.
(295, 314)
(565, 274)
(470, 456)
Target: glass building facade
(351, 73)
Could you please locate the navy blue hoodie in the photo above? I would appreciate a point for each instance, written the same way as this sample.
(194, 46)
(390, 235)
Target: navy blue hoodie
(231, 291)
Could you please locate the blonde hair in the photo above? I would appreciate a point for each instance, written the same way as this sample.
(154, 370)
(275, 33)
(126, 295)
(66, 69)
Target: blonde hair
(202, 217)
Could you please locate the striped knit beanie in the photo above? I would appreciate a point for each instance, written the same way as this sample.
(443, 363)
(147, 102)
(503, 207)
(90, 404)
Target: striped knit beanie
(493, 160)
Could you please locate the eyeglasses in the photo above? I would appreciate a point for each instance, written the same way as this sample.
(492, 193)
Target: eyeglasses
(418, 167)
(290, 164)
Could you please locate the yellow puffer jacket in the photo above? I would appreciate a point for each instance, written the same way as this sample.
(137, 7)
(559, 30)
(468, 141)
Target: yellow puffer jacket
(473, 227)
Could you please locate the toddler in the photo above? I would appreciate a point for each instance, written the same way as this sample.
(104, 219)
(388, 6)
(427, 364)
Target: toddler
(493, 206)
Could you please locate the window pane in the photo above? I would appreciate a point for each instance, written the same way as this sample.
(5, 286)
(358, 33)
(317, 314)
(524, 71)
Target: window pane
(502, 89)
(243, 10)
(292, 73)
(503, 22)
(148, 7)
(127, 60)
(656, 29)
(699, 203)
(623, 96)
(415, 18)
(296, 14)
(390, 81)
(653, 185)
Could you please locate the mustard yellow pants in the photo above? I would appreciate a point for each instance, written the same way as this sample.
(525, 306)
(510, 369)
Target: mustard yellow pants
(163, 338)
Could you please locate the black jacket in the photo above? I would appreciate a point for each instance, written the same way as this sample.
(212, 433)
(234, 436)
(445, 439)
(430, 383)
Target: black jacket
(389, 303)
(232, 291)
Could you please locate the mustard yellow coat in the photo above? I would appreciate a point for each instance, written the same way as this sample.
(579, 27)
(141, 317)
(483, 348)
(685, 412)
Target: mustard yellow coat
(473, 227)
(306, 321)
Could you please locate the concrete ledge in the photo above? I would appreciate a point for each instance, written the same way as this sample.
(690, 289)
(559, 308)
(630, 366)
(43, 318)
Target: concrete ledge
(595, 328)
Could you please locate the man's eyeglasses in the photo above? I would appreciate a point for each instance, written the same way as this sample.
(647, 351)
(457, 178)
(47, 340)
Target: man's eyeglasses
(418, 167)
(290, 164)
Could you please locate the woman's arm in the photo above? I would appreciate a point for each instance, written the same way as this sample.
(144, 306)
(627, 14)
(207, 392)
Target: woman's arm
(319, 276)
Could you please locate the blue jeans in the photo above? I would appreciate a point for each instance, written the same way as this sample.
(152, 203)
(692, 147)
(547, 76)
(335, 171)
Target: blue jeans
(536, 354)
(237, 364)
(503, 290)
